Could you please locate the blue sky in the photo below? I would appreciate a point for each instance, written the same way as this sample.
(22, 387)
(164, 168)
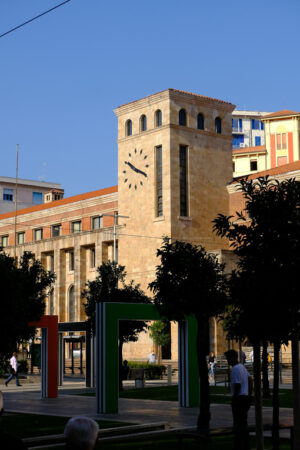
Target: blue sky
(62, 75)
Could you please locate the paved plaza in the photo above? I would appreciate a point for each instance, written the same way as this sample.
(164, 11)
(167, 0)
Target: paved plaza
(27, 399)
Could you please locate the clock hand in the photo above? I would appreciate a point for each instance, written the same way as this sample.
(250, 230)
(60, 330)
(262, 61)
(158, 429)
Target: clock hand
(135, 169)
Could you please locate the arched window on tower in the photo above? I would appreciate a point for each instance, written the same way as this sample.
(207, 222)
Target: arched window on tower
(143, 123)
(128, 127)
(158, 118)
(182, 117)
(218, 125)
(71, 304)
(200, 121)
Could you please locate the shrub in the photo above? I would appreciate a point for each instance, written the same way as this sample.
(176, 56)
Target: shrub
(152, 371)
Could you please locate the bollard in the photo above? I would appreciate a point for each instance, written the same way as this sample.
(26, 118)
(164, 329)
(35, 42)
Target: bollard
(169, 374)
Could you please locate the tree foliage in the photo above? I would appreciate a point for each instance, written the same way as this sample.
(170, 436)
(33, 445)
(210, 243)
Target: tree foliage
(266, 238)
(264, 289)
(160, 332)
(189, 281)
(110, 286)
(23, 291)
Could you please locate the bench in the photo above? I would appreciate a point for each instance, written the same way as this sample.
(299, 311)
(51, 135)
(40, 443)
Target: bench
(221, 375)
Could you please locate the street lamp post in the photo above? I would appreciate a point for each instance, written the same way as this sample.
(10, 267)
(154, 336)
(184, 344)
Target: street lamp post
(116, 217)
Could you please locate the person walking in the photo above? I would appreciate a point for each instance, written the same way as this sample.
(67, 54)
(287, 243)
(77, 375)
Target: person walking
(152, 358)
(241, 389)
(211, 364)
(14, 370)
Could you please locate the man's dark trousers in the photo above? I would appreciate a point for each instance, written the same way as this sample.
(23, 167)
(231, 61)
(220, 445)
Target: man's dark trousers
(13, 374)
(240, 408)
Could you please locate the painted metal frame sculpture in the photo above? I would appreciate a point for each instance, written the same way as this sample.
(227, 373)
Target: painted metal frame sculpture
(107, 370)
(49, 355)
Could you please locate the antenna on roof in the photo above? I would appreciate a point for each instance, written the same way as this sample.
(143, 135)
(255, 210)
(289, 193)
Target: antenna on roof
(43, 176)
(16, 202)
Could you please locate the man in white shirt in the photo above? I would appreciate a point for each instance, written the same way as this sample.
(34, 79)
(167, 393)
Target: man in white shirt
(152, 358)
(14, 370)
(241, 389)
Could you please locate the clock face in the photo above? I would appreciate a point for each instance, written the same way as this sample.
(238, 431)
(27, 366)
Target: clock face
(135, 169)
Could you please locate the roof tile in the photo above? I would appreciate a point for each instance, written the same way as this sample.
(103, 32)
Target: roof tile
(283, 112)
(63, 201)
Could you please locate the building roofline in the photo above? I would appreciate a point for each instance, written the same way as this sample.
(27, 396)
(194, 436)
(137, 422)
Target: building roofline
(286, 168)
(282, 113)
(26, 182)
(242, 151)
(177, 91)
(63, 201)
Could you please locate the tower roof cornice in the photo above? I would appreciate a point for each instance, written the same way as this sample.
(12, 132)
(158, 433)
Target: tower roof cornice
(176, 95)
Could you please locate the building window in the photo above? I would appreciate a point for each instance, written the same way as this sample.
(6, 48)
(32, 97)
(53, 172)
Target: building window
(128, 127)
(51, 303)
(97, 222)
(38, 234)
(37, 198)
(158, 118)
(21, 238)
(278, 141)
(56, 230)
(233, 166)
(218, 125)
(257, 141)
(71, 261)
(182, 117)
(200, 121)
(237, 125)
(143, 123)
(183, 150)
(76, 226)
(281, 141)
(92, 258)
(8, 195)
(51, 262)
(4, 241)
(253, 164)
(257, 124)
(237, 140)
(71, 304)
(159, 186)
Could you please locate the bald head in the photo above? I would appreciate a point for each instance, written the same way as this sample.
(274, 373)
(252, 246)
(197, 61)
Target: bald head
(81, 433)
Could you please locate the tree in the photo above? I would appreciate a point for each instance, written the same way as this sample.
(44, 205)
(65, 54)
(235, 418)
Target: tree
(189, 281)
(264, 290)
(23, 292)
(110, 286)
(160, 333)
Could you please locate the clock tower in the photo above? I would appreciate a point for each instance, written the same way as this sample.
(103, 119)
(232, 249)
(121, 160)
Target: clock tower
(174, 162)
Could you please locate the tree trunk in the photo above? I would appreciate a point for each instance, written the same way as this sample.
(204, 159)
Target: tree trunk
(121, 342)
(204, 413)
(258, 397)
(296, 390)
(159, 354)
(240, 350)
(275, 429)
(266, 386)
